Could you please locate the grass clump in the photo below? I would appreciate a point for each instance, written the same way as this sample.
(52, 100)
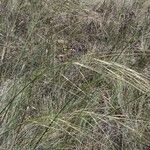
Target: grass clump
(75, 75)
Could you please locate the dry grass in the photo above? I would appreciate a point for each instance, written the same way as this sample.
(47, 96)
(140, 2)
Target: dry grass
(75, 76)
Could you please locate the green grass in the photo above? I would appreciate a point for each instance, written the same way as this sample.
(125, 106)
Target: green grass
(74, 76)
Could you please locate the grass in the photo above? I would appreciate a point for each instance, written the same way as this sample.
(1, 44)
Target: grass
(75, 75)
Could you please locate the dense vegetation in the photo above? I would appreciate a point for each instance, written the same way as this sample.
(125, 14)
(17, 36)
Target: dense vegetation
(75, 75)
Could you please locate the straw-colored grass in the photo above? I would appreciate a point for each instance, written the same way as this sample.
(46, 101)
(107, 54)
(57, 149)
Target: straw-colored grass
(75, 75)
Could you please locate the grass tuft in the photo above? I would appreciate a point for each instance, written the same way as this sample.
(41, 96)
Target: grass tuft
(74, 75)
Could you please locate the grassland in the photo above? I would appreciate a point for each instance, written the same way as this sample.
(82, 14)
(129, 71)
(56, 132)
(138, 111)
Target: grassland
(74, 76)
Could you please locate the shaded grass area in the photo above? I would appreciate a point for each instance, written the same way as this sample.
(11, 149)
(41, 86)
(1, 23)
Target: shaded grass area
(75, 76)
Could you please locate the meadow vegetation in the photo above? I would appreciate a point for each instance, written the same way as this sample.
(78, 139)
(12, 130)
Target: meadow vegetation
(75, 76)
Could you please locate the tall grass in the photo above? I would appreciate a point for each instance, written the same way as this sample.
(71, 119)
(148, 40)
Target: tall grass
(75, 75)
